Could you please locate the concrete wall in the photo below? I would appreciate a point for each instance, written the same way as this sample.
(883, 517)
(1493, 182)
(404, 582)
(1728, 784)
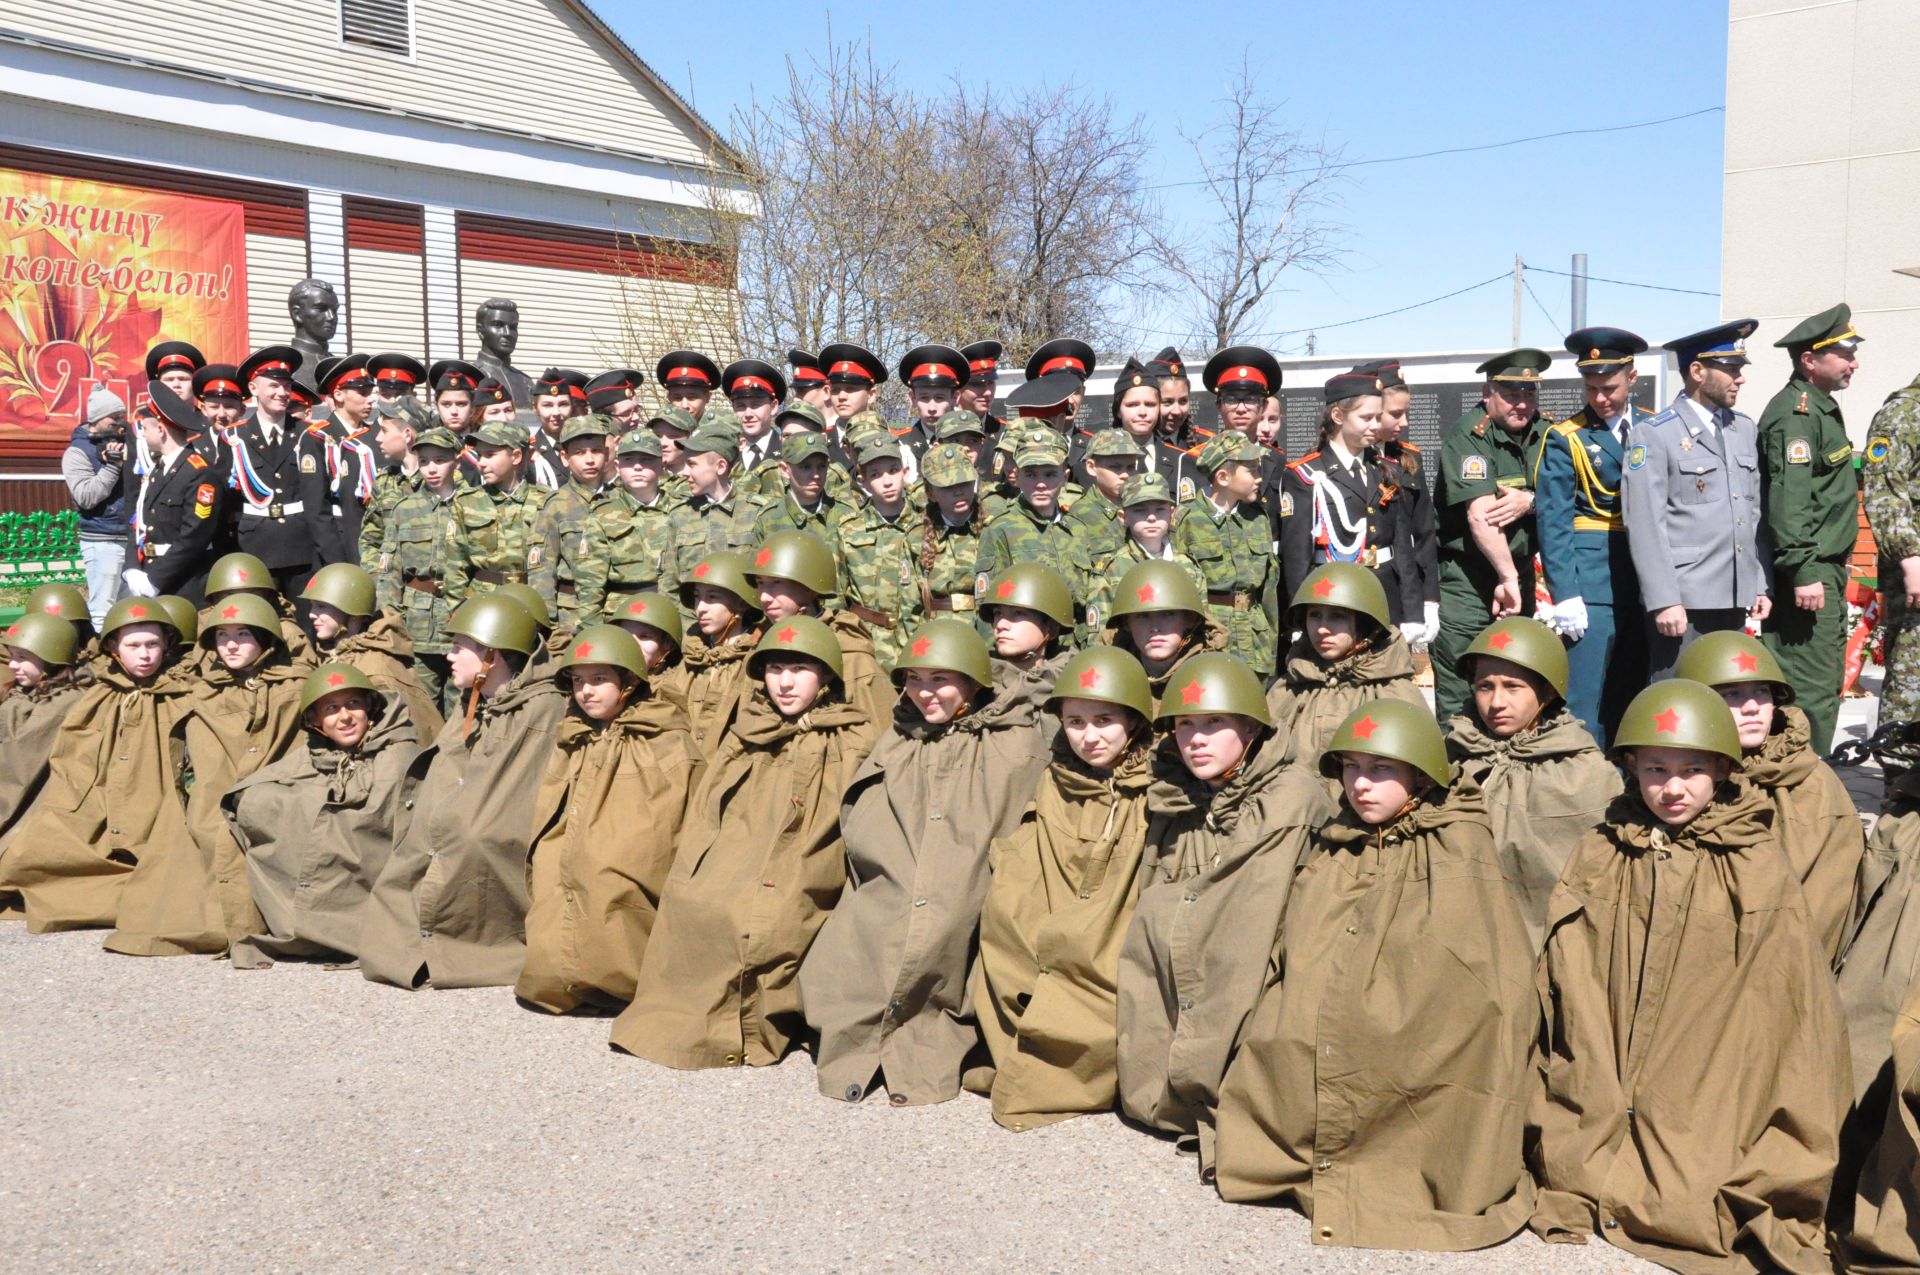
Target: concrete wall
(1822, 183)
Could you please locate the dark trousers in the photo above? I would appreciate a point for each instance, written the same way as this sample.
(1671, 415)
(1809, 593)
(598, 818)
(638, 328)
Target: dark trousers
(1664, 652)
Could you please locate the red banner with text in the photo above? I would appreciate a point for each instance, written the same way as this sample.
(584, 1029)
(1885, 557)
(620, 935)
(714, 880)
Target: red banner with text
(91, 275)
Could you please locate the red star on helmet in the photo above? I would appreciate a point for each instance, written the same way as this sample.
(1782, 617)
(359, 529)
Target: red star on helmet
(762, 558)
(1500, 641)
(788, 634)
(230, 613)
(1364, 728)
(336, 679)
(636, 608)
(1146, 593)
(922, 646)
(240, 574)
(1324, 589)
(1666, 723)
(1005, 589)
(1193, 694)
(582, 651)
(136, 611)
(700, 572)
(52, 607)
(1747, 662)
(13, 630)
(1090, 679)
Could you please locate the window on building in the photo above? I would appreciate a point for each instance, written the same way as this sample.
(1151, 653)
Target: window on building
(386, 25)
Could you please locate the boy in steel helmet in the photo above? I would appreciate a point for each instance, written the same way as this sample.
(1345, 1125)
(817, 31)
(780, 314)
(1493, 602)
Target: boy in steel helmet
(725, 607)
(1348, 653)
(41, 652)
(1159, 615)
(349, 628)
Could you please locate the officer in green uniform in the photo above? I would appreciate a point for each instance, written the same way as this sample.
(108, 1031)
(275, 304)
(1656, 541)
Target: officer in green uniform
(1485, 497)
(634, 516)
(1892, 476)
(1812, 509)
(1229, 538)
(493, 534)
(1112, 457)
(716, 515)
(568, 561)
(409, 575)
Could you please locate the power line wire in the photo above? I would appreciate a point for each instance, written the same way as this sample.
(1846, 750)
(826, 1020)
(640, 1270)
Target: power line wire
(1343, 323)
(1537, 301)
(1624, 283)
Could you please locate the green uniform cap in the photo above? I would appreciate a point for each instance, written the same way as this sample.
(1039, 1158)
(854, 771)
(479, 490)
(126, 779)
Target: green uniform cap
(68, 601)
(1108, 675)
(499, 434)
(804, 412)
(1214, 682)
(47, 637)
(1037, 588)
(866, 418)
(1032, 453)
(798, 447)
(329, 678)
(185, 616)
(797, 635)
(723, 570)
(799, 556)
(343, 586)
(592, 425)
(496, 622)
(1112, 443)
(655, 610)
(1827, 328)
(945, 643)
(1395, 730)
(1523, 365)
(1523, 641)
(249, 609)
(639, 442)
(722, 419)
(878, 447)
(1146, 489)
(677, 419)
(128, 612)
(1677, 713)
(717, 441)
(605, 644)
(946, 465)
(528, 599)
(1729, 658)
(239, 571)
(1342, 584)
(1226, 447)
(439, 436)
(959, 423)
(1150, 588)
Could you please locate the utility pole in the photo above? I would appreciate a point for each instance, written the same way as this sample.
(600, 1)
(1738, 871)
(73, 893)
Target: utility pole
(1579, 308)
(1313, 343)
(1519, 285)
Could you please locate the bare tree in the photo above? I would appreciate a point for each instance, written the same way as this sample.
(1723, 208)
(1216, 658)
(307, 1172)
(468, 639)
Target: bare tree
(1270, 191)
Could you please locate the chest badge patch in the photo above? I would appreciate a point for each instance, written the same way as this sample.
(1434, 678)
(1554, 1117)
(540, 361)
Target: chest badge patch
(1799, 452)
(1473, 468)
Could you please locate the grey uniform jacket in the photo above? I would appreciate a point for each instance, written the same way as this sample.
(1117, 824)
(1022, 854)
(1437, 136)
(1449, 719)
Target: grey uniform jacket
(1691, 497)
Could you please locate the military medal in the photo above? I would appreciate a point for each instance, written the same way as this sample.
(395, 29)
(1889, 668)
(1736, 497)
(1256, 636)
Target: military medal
(1686, 444)
(1699, 484)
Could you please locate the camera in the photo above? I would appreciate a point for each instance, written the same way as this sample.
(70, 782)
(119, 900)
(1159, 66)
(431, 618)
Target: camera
(111, 430)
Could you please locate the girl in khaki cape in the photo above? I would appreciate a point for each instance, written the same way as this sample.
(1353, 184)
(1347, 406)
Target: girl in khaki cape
(1813, 814)
(1381, 1085)
(725, 607)
(189, 893)
(349, 629)
(1229, 816)
(40, 650)
(1160, 617)
(1544, 782)
(607, 815)
(1884, 1232)
(317, 825)
(757, 865)
(1696, 1065)
(655, 623)
(1028, 609)
(111, 779)
(450, 906)
(1348, 654)
(793, 574)
(886, 983)
(1064, 885)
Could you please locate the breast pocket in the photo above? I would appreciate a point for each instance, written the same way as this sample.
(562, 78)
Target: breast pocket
(1700, 482)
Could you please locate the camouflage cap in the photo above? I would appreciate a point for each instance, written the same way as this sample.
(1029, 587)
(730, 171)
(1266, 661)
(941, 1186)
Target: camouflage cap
(409, 410)
(1113, 443)
(592, 425)
(1032, 453)
(958, 423)
(717, 441)
(804, 412)
(677, 419)
(1146, 489)
(1226, 447)
(946, 465)
(878, 447)
(722, 420)
(439, 436)
(499, 434)
(867, 418)
(799, 447)
(639, 442)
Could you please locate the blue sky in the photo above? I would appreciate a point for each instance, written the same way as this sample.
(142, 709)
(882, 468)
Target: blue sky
(1376, 79)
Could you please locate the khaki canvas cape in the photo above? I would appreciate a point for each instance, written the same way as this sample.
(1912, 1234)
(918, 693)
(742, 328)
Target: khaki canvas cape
(1885, 1233)
(1381, 1085)
(716, 679)
(189, 894)
(1213, 636)
(316, 828)
(1815, 821)
(29, 723)
(1064, 885)
(607, 814)
(1544, 789)
(384, 652)
(112, 785)
(1313, 697)
(758, 864)
(1696, 1065)
(1219, 864)
(886, 983)
(450, 906)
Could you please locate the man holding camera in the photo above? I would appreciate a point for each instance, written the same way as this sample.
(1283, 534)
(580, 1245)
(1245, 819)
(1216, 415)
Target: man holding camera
(92, 466)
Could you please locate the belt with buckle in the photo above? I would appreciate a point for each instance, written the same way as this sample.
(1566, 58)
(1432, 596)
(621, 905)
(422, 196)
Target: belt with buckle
(498, 577)
(951, 601)
(567, 587)
(1607, 522)
(1235, 598)
(423, 584)
(275, 510)
(871, 616)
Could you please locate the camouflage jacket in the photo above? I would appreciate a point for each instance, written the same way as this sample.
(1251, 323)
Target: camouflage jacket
(702, 526)
(1893, 479)
(640, 556)
(493, 538)
(390, 486)
(567, 561)
(1018, 536)
(410, 572)
(880, 578)
(785, 515)
(1096, 525)
(1234, 552)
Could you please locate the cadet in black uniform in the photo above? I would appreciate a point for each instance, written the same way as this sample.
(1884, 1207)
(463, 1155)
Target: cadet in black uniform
(282, 512)
(853, 373)
(452, 384)
(809, 381)
(1396, 399)
(220, 396)
(934, 376)
(340, 484)
(755, 389)
(983, 381)
(688, 377)
(180, 502)
(395, 375)
(616, 393)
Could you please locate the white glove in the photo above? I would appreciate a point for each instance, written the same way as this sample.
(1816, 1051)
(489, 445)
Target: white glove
(1416, 633)
(137, 583)
(1571, 617)
(1430, 619)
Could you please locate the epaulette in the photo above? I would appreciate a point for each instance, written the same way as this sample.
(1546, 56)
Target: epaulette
(1564, 428)
(318, 429)
(196, 460)
(1405, 446)
(1296, 464)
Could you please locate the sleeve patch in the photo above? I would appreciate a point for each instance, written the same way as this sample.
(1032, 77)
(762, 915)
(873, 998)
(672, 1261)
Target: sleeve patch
(1473, 468)
(308, 464)
(1286, 504)
(204, 495)
(1636, 457)
(1840, 455)
(1799, 451)
(1877, 449)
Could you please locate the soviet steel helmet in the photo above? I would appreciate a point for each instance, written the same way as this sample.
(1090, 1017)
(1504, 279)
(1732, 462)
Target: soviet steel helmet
(1214, 682)
(343, 586)
(1107, 675)
(1034, 587)
(797, 635)
(655, 610)
(723, 570)
(799, 556)
(949, 644)
(529, 600)
(605, 644)
(1678, 713)
(1523, 641)
(1395, 730)
(1150, 587)
(128, 612)
(249, 609)
(48, 638)
(238, 571)
(329, 678)
(1342, 584)
(68, 601)
(496, 622)
(1727, 659)
(185, 616)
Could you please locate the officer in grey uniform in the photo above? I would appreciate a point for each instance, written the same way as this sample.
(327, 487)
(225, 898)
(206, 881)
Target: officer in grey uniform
(1691, 496)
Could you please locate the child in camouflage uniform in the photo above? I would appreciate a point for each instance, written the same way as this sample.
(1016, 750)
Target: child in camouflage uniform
(409, 576)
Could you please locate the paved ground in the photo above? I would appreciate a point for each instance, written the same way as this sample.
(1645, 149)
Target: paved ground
(161, 1114)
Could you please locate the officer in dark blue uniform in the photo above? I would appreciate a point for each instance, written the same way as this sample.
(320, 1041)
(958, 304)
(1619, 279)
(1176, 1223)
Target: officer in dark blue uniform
(1583, 542)
(180, 502)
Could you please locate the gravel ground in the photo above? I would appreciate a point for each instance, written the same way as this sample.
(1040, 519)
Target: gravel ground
(177, 1113)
